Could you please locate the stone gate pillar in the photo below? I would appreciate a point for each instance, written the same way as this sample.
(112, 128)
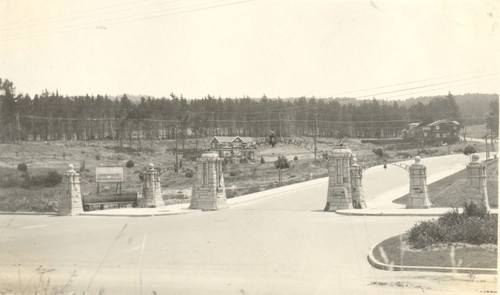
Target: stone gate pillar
(476, 191)
(357, 192)
(151, 189)
(419, 196)
(71, 203)
(209, 192)
(339, 180)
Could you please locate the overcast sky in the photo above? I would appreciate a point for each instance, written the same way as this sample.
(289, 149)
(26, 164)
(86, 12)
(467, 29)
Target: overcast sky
(234, 48)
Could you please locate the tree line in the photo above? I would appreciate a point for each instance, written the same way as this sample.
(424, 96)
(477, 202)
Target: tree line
(51, 116)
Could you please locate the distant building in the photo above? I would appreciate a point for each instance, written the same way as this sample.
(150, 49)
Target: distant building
(442, 130)
(446, 131)
(231, 147)
(413, 130)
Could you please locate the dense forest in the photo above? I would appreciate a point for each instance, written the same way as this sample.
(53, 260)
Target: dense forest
(51, 116)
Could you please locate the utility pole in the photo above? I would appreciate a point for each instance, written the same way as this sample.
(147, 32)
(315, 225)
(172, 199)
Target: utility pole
(487, 147)
(176, 151)
(279, 122)
(316, 137)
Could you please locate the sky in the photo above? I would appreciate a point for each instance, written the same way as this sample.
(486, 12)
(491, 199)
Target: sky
(234, 48)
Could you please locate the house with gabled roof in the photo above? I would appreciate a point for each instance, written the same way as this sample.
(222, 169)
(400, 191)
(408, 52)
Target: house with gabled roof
(445, 130)
(234, 147)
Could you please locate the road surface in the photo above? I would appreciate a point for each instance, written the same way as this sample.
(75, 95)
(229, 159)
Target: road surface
(282, 244)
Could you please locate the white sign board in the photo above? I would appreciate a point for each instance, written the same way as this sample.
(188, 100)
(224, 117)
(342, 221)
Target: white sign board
(109, 174)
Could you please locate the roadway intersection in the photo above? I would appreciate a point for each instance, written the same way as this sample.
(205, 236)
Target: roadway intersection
(280, 244)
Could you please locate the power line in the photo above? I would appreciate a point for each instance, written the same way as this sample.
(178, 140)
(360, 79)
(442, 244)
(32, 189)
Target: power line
(412, 82)
(428, 85)
(64, 17)
(128, 19)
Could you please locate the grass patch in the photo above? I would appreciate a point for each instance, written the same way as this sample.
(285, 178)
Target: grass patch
(397, 251)
(450, 191)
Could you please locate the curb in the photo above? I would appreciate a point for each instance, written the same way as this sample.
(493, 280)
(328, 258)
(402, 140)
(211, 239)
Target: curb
(382, 214)
(133, 215)
(28, 213)
(383, 266)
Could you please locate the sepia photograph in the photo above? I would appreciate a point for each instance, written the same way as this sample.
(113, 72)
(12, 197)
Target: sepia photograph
(281, 147)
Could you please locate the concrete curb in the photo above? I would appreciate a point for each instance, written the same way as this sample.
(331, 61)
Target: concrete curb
(387, 214)
(383, 266)
(431, 212)
(28, 213)
(133, 215)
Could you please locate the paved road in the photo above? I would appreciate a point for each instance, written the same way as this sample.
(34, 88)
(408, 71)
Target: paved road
(382, 186)
(284, 244)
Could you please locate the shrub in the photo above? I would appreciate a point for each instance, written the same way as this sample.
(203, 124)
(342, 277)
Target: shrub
(52, 179)
(474, 226)
(471, 210)
(189, 174)
(243, 160)
(22, 167)
(262, 161)
(98, 157)
(424, 234)
(469, 150)
(282, 163)
(129, 164)
(295, 158)
(120, 157)
(82, 166)
(378, 152)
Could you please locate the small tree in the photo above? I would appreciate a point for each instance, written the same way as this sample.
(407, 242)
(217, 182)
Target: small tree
(280, 164)
(129, 164)
(262, 161)
(326, 160)
(469, 151)
(22, 167)
(378, 152)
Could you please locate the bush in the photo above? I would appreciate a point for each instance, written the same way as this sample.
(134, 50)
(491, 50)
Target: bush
(98, 157)
(120, 157)
(295, 158)
(51, 179)
(262, 161)
(473, 210)
(474, 226)
(22, 167)
(469, 150)
(378, 152)
(243, 160)
(189, 174)
(129, 164)
(234, 173)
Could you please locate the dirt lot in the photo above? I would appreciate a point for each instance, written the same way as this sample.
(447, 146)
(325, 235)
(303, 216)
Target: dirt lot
(240, 178)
